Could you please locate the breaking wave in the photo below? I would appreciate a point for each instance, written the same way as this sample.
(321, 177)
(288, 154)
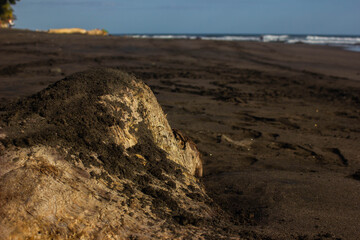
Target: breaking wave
(335, 40)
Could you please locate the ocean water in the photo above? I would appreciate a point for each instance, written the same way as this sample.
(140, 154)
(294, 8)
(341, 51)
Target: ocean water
(351, 43)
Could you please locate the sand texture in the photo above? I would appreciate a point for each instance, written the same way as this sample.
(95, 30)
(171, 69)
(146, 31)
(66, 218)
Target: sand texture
(278, 125)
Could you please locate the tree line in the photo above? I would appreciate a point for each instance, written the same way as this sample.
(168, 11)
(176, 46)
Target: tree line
(6, 11)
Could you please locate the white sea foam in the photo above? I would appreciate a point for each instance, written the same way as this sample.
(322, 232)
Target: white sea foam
(231, 38)
(308, 39)
(275, 38)
(327, 40)
(164, 36)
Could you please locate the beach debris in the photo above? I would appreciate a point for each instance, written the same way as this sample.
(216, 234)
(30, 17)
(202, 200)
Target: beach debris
(245, 143)
(56, 70)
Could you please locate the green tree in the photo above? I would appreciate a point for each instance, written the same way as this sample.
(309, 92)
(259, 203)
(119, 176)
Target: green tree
(6, 11)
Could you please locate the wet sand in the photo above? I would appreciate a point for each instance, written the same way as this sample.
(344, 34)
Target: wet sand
(278, 125)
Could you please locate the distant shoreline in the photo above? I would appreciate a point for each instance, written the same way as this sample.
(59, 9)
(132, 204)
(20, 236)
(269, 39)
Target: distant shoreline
(346, 42)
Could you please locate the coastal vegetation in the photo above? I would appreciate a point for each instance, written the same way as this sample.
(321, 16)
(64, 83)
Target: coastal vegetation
(6, 11)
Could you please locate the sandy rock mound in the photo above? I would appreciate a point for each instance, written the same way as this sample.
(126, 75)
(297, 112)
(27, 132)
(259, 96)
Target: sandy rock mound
(93, 156)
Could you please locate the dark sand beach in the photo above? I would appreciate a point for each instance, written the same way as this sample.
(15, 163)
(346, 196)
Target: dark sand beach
(278, 125)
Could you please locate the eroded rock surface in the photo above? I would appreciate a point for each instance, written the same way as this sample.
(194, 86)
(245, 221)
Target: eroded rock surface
(93, 156)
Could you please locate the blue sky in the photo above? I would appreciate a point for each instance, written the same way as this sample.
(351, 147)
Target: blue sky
(194, 16)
